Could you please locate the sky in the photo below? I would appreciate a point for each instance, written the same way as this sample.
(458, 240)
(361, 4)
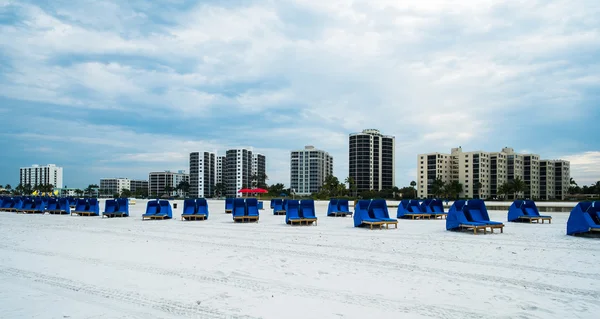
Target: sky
(123, 88)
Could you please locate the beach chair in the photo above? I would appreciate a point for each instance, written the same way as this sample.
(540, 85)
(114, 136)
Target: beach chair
(189, 209)
(584, 220)
(378, 210)
(471, 214)
(201, 209)
(110, 206)
(307, 212)
(13, 205)
(152, 208)
(86, 207)
(278, 208)
(434, 207)
(411, 209)
(292, 213)
(166, 212)
(252, 209)
(39, 206)
(239, 212)
(228, 205)
(332, 208)
(28, 206)
(53, 206)
(362, 218)
(122, 207)
(64, 207)
(526, 211)
(272, 201)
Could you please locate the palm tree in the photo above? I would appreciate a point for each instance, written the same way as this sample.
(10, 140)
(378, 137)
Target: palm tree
(437, 187)
(503, 190)
(351, 185)
(413, 184)
(453, 188)
(219, 189)
(517, 186)
(478, 186)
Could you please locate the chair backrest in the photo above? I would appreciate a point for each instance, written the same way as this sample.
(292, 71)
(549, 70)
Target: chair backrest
(229, 203)
(152, 207)
(201, 206)
(307, 208)
(110, 205)
(189, 206)
(343, 206)
(378, 208)
(239, 207)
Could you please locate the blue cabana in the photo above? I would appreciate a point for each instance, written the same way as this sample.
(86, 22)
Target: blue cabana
(584, 219)
(229, 205)
(526, 211)
(122, 209)
(189, 209)
(278, 208)
(52, 206)
(152, 209)
(471, 214)
(411, 208)
(252, 209)
(87, 207)
(292, 212)
(332, 207)
(379, 210)
(362, 217)
(435, 207)
(307, 211)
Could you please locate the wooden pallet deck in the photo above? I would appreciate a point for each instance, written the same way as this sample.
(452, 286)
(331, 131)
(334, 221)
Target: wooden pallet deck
(536, 219)
(83, 213)
(57, 212)
(113, 215)
(228, 211)
(245, 219)
(418, 216)
(339, 214)
(32, 211)
(279, 212)
(441, 216)
(193, 217)
(153, 217)
(308, 221)
(484, 228)
(381, 224)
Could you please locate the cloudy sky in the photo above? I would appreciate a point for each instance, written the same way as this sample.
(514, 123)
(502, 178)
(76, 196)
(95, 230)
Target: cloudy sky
(121, 88)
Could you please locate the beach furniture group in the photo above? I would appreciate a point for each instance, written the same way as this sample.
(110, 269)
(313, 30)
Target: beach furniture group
(86, 207)
(526, 211)
(118, 207)
(428, 209)
(278, 206)
(245, 210)
(373, 213)
(158, 209)
(300, 212)
(471, 215)
(338, 208)
(195, 209)
(584, 220)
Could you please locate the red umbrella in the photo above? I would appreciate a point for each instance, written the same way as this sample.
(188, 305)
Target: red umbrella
(245, 190)
(259, 190)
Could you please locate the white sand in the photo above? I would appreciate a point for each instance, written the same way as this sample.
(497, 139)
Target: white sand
(89, 267)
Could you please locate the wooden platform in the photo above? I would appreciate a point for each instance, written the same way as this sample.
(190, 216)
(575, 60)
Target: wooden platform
(418, 216)
(83, 213)
(339, 214)
(57, 212)
(279, 212)
(381, 224)
(8, 210)
(245, 219)
(160, 217)
(32, 211)
(228, 211)
(441, 216)
(535, 219)
(113, 215)
(193, 217)
(484, 228)
(308, 221)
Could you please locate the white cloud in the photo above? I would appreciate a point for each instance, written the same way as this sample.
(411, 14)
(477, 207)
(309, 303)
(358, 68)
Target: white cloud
(585, 167)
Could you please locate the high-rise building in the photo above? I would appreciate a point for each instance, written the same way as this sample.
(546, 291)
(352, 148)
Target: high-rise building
(202, 174)
(110, 186)
(41, 175)
(308, 169)
(547, 180)
(490, 171)
(238, 167)
(159, 181)
(371, 160)
(219, 169)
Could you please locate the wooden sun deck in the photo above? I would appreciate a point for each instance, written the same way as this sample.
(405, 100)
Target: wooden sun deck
(308, 221)
(441, 216)
(339, 214)
(193, 217)
(484, 228)
(381, 224)
(418, 216)
(159, 217)
(245, 219)
(112, 215)
(9, 210)
(228, 211)
(536, 219)
(279, 212)
(32, 211)
(57, 212)
(84, 213)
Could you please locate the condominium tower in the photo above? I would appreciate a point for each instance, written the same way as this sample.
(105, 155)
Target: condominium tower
(308, 169)
(202, 174)
(371, 160)
(41, 175)
(160, 182)
(110, 186)
(482, 173)
(238, 168)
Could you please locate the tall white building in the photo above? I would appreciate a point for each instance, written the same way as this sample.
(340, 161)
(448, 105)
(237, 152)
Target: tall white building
(238, 167)
(371, 158)
(308, 169)
(482, 173)
(220, 164)
(41, 175)
(109, 186)
(202, 174)
(159, 181)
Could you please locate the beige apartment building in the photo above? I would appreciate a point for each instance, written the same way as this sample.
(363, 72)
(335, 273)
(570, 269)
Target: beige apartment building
(481, 173)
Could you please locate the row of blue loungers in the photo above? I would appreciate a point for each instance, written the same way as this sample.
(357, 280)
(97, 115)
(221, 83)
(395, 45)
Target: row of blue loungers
(59, 206)
(413, 209)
